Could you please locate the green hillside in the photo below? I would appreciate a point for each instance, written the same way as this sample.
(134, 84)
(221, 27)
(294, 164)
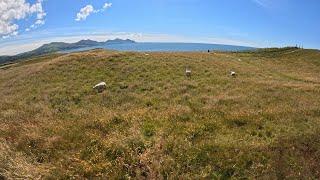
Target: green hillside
(55, 47)
(153, 122)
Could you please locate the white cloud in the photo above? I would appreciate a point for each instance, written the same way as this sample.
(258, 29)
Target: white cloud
(41, 15)
(88, 9)
(39, 22)
(84, 13)
(14, 33)
(107, 5)
(14, 10)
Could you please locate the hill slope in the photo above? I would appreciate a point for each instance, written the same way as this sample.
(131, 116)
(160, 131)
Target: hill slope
(153, 122)
(60, 46)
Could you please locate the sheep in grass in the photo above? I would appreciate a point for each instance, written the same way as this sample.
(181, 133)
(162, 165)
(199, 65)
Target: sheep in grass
(233, 74)
(188, 72)
(100, 87)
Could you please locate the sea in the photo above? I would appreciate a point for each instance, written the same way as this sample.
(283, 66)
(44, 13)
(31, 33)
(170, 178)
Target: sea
(164, 47)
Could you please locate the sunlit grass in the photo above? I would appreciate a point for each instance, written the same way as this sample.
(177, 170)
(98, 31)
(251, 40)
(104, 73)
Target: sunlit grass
(153, 122)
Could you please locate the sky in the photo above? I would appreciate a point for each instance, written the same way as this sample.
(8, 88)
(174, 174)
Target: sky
(27, 24)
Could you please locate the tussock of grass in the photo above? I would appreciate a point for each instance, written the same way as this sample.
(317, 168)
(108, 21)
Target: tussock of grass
(16, 165)
(153, 122)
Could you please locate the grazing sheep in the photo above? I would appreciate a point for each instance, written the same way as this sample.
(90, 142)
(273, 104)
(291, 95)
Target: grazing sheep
(233, 74)
(100, 87)
(188, 72)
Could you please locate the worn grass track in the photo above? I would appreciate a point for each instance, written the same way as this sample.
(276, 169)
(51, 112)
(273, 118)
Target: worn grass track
(153, 122)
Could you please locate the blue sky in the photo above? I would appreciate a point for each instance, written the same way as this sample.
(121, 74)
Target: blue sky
(259, 23)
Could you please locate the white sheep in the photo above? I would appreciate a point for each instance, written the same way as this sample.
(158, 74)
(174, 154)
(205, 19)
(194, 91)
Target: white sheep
(100, 87)
(233, 74)
(188, 72)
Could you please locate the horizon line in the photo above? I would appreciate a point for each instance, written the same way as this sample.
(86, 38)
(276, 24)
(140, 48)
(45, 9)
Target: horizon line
(23, 45)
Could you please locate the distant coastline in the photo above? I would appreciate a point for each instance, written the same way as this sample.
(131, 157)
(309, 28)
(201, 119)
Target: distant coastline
(121, 45)
(164, 47)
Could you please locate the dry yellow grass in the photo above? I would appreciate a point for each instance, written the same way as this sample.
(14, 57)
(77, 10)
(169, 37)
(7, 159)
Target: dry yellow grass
(15, 165)
(153, 122)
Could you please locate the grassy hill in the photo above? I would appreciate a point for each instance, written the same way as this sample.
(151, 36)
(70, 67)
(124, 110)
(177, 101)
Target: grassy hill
(153, 122)
(55, 47)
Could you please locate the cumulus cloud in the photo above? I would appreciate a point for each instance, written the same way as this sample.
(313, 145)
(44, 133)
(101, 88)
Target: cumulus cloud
(84, 13)
(14, 10)
(89, 9)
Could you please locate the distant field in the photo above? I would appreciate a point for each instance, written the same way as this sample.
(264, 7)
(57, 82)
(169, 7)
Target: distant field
(153, 122)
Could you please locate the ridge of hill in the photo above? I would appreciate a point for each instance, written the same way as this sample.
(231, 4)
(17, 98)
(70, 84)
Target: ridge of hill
(60, 46)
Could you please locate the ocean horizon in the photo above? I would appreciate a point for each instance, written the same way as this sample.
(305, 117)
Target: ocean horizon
(164, 47)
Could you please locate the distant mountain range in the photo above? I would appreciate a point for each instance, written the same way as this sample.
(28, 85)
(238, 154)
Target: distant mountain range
(61, 46)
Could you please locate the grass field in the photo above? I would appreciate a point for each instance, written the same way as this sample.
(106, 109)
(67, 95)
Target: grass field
(152, 122)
